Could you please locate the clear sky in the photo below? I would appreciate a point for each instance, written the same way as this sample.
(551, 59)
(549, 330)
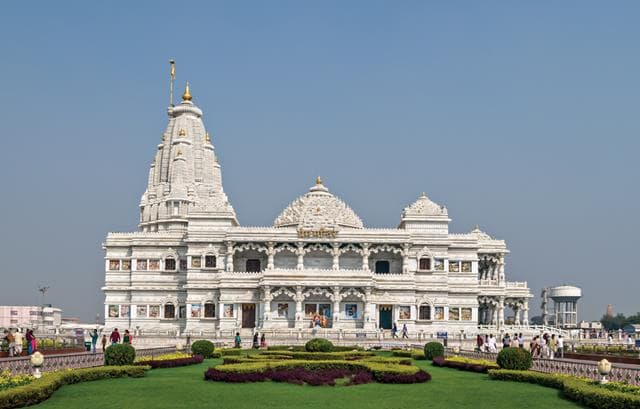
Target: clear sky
(520, 117)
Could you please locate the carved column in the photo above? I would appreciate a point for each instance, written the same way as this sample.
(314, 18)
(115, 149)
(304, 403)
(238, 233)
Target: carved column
(365, 256)
(229, 256)
(336, 256)
(336, 305)
(270, 254)
(525, 313)
(300, 253)
(494, 314)
(405, 258)
(516, 313)
(501, 312)
(501, 269)
(368, 322)
(266, 310)
(298, 300)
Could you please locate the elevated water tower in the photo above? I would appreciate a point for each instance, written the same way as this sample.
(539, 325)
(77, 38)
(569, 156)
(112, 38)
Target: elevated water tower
(565, 305)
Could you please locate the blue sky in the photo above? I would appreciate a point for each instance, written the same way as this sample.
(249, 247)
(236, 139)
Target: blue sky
(519, 117)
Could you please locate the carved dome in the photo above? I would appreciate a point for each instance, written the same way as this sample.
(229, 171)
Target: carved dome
(424, 207)
(318, 209)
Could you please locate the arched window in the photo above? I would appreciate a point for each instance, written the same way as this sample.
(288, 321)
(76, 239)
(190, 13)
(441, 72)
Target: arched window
(209, 310)
(253, 265)
(382, 267)
(424, 264)
(170, 263)
(210, 261)
(169, 311)
(424, 312)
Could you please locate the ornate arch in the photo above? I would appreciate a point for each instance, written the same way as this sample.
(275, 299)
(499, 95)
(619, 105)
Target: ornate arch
(170, 253)
(318, 291)
(284, 290)
(351, 247)
(425, 300)
(352, 292)
(249, 246)
(211, 251)
(318, 247)
(424, 252)
(386, 247)
(287, 247)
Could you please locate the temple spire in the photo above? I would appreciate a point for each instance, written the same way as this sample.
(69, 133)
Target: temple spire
(187, 93)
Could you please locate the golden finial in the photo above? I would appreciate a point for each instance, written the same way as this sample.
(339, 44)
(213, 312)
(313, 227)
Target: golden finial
(182, 132)
(318, 180)
(187, 94)
(207, 137)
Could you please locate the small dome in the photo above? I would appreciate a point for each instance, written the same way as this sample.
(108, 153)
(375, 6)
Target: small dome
(318, 209)
(424, 207)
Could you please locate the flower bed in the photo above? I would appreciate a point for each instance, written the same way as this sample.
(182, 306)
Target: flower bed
(416, 354)
(8, 381)
(584, 391)
(346, 355)
(170, 360)
(465, 364)
(293, 370)
(41, 389)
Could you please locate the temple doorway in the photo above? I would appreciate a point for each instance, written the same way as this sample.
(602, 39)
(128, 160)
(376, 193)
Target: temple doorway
(386, 316)
(248, 315)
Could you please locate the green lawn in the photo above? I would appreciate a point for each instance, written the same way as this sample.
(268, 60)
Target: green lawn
(185, 388)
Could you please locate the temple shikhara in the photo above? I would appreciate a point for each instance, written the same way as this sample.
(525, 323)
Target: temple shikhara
(191, 268)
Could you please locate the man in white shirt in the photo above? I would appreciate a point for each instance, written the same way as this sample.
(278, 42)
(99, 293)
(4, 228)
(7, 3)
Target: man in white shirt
(17, 339)
(560, 345)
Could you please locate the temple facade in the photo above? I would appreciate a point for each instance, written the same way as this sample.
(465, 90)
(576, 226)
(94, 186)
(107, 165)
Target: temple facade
(192, 268)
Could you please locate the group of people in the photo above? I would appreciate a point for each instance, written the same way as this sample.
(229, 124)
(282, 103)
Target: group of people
(394, 331)
(489, 343)
(16, 341)
(547, 346)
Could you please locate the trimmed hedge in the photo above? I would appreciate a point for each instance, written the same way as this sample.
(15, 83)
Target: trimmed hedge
(203, 347)
(42, 389)
(414, 354)
(173, 363)
(255, 371)
(433, 349)
(514, 358)
(464, 364)
(583, 391)
(349, 355)
(119, 355)
(318, 345)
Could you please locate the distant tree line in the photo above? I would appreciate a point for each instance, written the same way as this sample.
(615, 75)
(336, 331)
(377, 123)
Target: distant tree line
(619, 321)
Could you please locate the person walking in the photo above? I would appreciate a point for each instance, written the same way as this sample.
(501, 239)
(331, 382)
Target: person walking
(237, 341)
(394, 330)
(552, 346)
(560, 343)
(506, 341)
(11, 341)
(94, 340)
(479, 342)
(126, 339)
(115, 336)
(31, 341)
(520, 341)
(263, 341)
(104, 342)
(256, 344)
(405, 331)
(492, 344)
(18, 341)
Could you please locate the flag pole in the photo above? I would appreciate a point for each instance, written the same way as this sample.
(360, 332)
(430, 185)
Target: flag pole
(171, 79)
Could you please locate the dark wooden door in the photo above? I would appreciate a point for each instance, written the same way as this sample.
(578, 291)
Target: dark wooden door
(248, 315)
(386, 319)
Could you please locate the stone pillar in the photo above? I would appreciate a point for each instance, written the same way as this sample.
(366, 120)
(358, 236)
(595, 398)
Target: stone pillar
(336, 256)
(405, 258)
(494, 315)
(501, 312)
(516, 313)
(365, 256)
(335, 314)
(300, 253)
(299, 314)
(501, 269)
(229, 256)
(266, 309)
(270, 254)
(368, 322)
(525, 313)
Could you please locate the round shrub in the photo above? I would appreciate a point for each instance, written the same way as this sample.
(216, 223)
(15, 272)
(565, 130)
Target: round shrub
(318, 345)
(514, 358)
(433, 349)
(119, 355)
(203, 347)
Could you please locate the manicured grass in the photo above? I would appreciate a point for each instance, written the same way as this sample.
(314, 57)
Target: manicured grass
(185, 388)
